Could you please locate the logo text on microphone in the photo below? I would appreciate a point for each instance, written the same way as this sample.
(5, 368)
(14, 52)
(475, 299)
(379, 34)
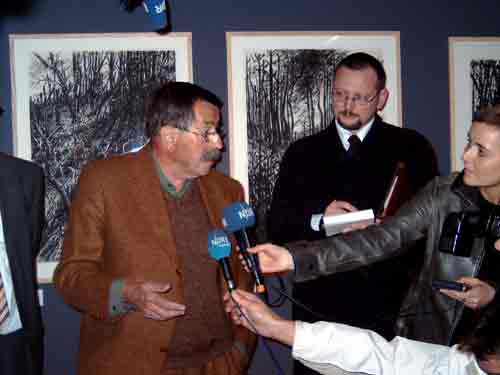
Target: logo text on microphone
(246, 213)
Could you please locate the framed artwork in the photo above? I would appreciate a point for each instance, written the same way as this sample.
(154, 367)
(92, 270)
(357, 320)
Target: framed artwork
(280, 90)
(79, 97)
(474, 82)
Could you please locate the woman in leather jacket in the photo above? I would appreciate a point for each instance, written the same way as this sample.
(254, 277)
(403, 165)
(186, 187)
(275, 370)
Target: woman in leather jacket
(435, 316)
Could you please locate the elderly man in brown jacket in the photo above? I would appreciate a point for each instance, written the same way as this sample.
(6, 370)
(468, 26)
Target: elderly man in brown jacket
(135, 259)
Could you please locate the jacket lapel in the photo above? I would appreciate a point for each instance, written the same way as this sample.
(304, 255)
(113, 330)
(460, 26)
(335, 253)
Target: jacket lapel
(148, 197)
(10, 205)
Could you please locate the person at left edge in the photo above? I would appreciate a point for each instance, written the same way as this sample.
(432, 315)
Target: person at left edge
(21, 224)
(135, 257)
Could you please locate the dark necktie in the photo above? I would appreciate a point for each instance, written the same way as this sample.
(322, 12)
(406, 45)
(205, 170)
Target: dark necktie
(4, 308)
(354, 145)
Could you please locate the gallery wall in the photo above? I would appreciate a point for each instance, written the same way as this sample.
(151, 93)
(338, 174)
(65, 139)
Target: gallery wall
(424, 28)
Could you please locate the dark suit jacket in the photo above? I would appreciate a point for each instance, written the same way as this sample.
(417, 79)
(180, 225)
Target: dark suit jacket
(118, 228)
(22, 207)
(314, 171)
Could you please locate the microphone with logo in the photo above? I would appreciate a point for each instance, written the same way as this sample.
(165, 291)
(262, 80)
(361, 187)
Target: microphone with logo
(219, 248)
(236, 218)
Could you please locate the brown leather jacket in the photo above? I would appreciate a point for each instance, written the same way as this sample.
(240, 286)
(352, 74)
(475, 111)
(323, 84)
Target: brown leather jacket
(425, 315)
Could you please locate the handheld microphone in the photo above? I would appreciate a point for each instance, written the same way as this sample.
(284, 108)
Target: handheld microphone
(219, 248)
(236, 218)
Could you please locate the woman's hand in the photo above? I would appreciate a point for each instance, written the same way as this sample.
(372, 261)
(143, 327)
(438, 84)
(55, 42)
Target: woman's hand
(477, 295)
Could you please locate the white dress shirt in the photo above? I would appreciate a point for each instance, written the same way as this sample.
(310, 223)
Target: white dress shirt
(325, 347)
(344, 136)
(13, 322)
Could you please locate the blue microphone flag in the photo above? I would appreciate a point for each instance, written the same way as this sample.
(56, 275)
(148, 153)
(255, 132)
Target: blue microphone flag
(218, 244)
(157, 10)
(238, 216)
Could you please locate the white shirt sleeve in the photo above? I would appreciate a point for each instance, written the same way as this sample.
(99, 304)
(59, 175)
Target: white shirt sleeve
(325, 346)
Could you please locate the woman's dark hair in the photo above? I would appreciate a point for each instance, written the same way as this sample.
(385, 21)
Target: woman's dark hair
(489, 114)
(484, 339)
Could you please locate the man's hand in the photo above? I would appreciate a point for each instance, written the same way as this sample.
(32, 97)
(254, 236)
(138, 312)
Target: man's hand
(343, 207)
(254, 315)
(339, 207)
(478, 295)
(149, 298)
(273, 258)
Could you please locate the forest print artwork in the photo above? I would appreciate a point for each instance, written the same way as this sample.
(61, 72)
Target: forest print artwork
(485, 77)
(86, 105)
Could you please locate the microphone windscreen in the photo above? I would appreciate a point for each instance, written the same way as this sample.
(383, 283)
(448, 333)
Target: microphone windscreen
(218, 244)
(238, 216)
(157, 10)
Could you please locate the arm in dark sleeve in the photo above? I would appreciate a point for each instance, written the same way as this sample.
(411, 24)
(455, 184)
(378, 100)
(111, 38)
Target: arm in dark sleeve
(289, 218)
(36, 197)
(362, 247)
(421, 161)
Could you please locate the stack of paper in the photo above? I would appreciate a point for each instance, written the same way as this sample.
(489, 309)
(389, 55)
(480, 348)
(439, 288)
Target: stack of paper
(334, 224)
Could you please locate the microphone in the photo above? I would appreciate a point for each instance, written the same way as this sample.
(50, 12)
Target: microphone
(236, 218)
(219, 248)
(157, 10)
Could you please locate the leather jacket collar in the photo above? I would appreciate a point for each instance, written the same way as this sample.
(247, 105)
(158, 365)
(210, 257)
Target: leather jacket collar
(470, 195)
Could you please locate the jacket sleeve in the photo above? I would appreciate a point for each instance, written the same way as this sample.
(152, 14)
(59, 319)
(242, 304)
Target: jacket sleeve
(37, 200)
(79, 276)
(373, 244)
(420, 160)
(289, 217)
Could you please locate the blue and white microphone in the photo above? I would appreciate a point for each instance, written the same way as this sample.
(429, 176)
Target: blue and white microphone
(157, 10)
(219, 248)
(236, 219)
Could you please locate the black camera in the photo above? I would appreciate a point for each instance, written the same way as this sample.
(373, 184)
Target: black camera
(460, 229)
(458, 233)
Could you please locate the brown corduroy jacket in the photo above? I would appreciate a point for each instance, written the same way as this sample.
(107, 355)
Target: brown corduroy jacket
(119, 228)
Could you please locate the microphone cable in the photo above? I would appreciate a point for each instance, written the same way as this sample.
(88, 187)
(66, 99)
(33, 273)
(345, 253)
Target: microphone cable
(264, 339)
(284, 295)
(280, 299)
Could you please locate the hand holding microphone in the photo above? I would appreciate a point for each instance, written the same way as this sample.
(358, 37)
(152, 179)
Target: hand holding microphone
(258, 318)
(273, 258)
(236, 219)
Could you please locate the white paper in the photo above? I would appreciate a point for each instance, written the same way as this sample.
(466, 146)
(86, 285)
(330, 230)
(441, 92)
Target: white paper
(334, 224)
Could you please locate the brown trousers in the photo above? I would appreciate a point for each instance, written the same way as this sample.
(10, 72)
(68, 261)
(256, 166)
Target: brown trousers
(225, 364)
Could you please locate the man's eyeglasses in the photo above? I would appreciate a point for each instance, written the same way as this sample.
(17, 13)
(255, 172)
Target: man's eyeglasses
(208, 135)
(341, 96)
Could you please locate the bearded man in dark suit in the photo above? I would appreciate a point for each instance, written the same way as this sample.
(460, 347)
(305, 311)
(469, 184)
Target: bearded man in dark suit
(347, 167)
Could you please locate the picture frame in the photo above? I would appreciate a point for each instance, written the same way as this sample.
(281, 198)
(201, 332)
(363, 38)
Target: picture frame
(470, 88)
(78, 97)
(253, 143)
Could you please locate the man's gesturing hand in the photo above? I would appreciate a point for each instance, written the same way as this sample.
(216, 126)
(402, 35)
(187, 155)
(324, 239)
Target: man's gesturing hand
(149, 298)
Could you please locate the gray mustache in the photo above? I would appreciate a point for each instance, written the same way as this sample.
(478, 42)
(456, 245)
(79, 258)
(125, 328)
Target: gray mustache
(212, 155)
